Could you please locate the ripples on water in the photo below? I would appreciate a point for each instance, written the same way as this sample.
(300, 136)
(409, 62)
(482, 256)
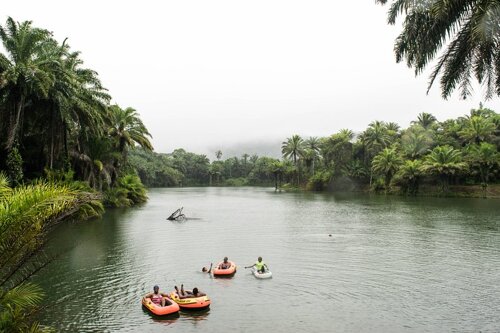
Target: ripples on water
(392, 264)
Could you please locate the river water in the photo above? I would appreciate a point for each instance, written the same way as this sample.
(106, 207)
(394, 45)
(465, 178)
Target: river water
(391, 264)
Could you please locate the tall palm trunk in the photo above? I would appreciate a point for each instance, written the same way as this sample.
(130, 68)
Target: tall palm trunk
(52, 125)
(65, 138)
(14, 124)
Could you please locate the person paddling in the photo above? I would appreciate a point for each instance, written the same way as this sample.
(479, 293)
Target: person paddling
(259, 265)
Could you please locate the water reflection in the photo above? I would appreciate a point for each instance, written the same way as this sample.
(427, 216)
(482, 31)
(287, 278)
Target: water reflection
(195, 316)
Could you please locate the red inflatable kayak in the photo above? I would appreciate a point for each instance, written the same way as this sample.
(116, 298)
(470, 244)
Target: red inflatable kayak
(169, 308)
(225, 271)
(201, 302)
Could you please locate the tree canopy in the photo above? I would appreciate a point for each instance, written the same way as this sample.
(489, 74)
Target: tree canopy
(466, 33)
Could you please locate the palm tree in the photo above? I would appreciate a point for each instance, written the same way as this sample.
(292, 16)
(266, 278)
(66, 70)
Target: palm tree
(356, 170)
(469, 29)
(47, 96)
(277, 168)
(346, 134)
(289, 170)
(245, 157)
(312, 143)
(426, 120)
(477, 129)
(313, 147)
(387, 163)
(293, 147)
(444, 162)
(17, 304)
(393, 127)
(337, 150)
(416, 141)
(27, 71)
(309, 156)
(128, 129)
(77, 100)
(229, 164)
(375, 137)
(409, 175)
(446, 133)
(483, 157)
(218, 154)
(211, 173)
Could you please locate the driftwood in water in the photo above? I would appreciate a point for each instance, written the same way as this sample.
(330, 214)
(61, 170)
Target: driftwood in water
(177, 215)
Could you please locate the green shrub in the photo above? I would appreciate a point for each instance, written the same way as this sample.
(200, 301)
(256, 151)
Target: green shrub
(135, 189)
(128, 191)
(319, 181)
(236, 182)
(117, 197)
(14, 164)
(378, 185)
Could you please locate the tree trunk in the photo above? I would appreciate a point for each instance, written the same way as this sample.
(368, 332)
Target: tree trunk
(65, 138)
(12, 134)
(52, 120)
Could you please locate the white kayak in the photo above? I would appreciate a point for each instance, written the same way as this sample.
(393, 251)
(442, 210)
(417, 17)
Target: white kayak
(266, 275)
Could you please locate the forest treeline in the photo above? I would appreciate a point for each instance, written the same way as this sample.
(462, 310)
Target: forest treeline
(384, 157)
(56, 120)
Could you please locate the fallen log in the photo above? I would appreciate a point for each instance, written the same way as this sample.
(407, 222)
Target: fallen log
(177, 215)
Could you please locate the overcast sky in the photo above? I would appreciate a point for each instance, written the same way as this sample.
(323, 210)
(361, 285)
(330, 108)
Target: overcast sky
(212, 74)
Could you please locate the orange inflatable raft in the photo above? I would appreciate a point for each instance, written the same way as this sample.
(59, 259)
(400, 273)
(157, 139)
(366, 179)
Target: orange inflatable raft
(170, 307)
(201, 302)
(227, 272)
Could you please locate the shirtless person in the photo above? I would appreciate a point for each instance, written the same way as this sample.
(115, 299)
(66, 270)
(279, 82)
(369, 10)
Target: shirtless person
(188, 294)
(225, 264)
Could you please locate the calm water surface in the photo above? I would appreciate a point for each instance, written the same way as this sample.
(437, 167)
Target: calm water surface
(392, 264)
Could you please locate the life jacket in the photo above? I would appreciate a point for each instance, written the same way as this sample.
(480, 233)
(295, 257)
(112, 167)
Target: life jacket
(259, 265)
